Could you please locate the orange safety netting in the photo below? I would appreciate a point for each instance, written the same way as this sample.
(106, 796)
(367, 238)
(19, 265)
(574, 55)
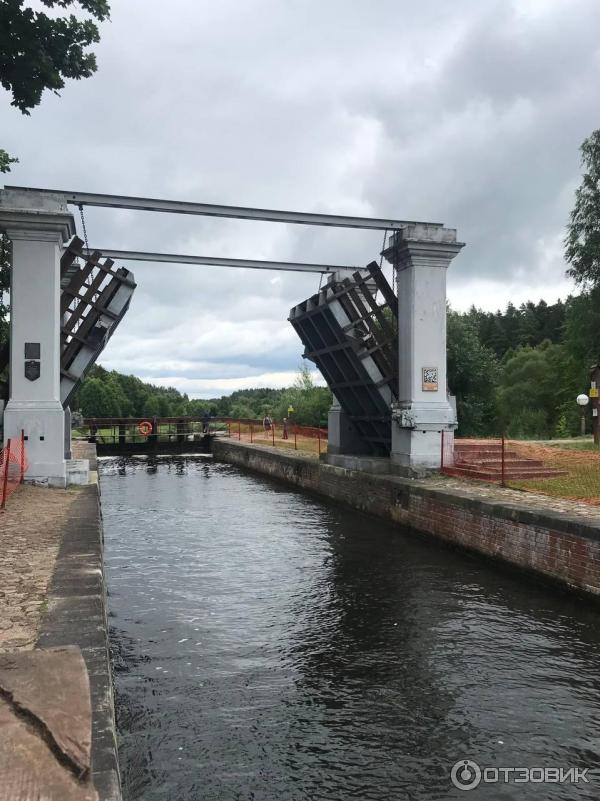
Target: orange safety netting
(13, 464)
(279, 435)
(561, 468)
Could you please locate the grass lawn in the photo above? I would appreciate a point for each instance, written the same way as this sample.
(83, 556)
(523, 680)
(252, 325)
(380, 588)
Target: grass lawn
(581, 483)
(576, 444)
(580, 459)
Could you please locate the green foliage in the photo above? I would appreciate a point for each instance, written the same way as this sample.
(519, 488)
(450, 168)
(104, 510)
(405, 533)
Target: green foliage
(582, 328)
(243, 411)
(561, 429)
(530, 324)
(533, 389)
(310, 403)
(6, 161)
(38, 51)
(151, 407)
(582, 243)
(528, 423)
(97, 400)
(473, 372)
(128, 396)
(516, 371)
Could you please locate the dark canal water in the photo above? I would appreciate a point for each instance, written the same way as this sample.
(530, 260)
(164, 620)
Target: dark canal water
(273, 647)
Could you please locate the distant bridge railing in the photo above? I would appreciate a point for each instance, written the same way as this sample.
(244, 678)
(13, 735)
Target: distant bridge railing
(148, 431)
(123, 430)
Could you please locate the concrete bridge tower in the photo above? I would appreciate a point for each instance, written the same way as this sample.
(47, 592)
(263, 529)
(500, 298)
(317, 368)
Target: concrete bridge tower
(38, 225)
(421, 254)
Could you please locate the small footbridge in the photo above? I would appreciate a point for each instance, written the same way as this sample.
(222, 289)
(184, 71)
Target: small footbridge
(122, 436)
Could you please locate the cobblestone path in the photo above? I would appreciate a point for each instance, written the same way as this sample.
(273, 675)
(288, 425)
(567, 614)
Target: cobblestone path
(31, 529)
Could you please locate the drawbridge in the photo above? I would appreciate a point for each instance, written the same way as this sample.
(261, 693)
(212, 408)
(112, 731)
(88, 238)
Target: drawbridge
(383, 357)
(94, 298)
(350, 331)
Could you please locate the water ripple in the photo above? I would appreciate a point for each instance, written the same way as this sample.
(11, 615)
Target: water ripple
(269, 646)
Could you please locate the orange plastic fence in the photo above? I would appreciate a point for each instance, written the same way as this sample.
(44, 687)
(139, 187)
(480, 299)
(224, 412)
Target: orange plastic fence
(13, 465)
(561, 468)
(290, 435)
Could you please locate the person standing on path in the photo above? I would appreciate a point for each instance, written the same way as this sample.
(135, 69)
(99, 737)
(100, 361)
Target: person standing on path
(285, 428)
(267, 423)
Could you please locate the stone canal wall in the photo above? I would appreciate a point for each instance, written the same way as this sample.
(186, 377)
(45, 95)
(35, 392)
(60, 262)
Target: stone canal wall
(561, 544)
(77, 615)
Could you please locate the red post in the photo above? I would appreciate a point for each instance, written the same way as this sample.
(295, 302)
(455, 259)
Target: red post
(5, 477)
(251, 431)
(273, 432)
(239, 429)
(319, 438)
(442, 454)
(22, 456)
(502, 483)
(295, 441)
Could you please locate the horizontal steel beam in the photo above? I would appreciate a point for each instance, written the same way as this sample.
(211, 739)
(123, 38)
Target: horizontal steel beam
(218, 261)
(211, 210)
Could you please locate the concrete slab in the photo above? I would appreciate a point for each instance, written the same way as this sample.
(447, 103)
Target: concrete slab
(367, 464)
(77, 614)
(46, 723)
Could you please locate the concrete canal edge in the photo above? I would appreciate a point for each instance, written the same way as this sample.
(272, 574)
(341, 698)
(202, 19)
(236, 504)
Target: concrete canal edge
(77, 615)
(561, 547)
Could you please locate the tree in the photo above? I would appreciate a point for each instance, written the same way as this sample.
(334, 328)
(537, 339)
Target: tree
(582, 243)
(164, 406)
(96, 400)
(534, 391)
(6, 161)
(311, 403)
(242, 410)
(151, 407)
(473, 371)
(37, 52)
(582, 328)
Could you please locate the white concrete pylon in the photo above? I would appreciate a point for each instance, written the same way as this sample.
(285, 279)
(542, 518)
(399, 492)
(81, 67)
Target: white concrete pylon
(421, 255)
(37, 228)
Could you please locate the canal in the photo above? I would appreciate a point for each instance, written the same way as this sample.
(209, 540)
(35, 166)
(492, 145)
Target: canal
(270, 646)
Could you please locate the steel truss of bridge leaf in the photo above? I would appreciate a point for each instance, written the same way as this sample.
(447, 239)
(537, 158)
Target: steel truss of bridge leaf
(94, 298)
(353, 341)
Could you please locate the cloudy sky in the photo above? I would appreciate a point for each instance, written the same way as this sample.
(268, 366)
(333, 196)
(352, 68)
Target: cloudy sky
(468, 112)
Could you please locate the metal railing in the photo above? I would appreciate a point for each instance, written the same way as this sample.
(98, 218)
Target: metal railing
(136, 430)
(13, 465)
(561, 468)
(310, 439)
(128, 430)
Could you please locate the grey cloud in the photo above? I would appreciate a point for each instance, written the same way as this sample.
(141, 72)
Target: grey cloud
(468, 113)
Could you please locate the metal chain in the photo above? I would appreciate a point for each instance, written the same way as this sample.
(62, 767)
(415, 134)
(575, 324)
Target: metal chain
(85, 239)
(385, 233)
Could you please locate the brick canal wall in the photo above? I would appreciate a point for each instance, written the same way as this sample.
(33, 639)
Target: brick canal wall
(562, 546)
(77, 615)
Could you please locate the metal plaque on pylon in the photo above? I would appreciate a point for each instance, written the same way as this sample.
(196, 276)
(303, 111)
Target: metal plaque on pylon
(32, 370)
